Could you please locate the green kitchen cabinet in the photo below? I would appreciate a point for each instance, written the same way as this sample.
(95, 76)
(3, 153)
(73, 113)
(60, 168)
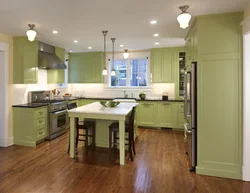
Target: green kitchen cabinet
(165, 114)
(146, 113)
(35, 131)
(25, 61)
(56, 76)
(86, 67)
(164, 62)
(77, 101)
(216, 45)
(179, 115)
(87, 101)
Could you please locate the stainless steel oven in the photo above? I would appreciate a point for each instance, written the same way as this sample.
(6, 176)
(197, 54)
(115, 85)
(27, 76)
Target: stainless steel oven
(58, 122)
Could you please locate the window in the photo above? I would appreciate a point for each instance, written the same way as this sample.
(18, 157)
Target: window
(132, 73)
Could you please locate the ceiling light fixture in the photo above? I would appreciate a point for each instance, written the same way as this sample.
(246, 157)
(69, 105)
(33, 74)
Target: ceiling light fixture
(104, 71)
(126, 54)
(157, 43)
(156, 35)
(184, 17)
(153, 22)
(55, 32)
(31, 33)
(89, 48)
(70, 51)
(113, 57)
(121, 46)
(76, 41)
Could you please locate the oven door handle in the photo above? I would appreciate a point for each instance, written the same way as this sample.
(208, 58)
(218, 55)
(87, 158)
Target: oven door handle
(59, 112)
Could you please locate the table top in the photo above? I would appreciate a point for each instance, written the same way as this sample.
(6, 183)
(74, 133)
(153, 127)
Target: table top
(97, 109)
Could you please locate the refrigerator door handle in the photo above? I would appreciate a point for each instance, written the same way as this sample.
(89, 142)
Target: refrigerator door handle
(186, 128)
(185, 94)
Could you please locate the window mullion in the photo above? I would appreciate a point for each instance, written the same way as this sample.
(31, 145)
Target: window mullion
(128, 72)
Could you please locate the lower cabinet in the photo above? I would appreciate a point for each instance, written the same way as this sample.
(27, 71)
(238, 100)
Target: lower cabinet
(161, 114)
(35, 131)
(146, 113)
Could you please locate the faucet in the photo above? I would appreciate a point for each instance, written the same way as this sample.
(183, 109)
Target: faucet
(125, 95)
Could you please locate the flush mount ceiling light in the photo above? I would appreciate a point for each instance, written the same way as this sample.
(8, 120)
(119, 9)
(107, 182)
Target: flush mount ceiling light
(157, 43)
(113, 57)
(75, 41)
(121, 46)
(184, 17)
(89, 47)
(104, 71)
(153, 22)
(31, 33)
(156, 35)
(55, 32)
(126, 54)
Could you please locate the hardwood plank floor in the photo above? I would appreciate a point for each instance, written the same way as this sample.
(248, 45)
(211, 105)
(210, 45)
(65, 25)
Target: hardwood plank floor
(160, 166)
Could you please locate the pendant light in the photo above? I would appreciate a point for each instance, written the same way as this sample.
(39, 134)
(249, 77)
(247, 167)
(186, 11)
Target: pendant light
(31, 33)
(184, 17)
(125, 54)
(113, 57)
(104, 71)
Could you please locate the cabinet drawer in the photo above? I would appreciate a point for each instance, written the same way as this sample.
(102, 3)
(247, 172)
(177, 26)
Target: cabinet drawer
(41, 113)
(41, 133)
(40, 122)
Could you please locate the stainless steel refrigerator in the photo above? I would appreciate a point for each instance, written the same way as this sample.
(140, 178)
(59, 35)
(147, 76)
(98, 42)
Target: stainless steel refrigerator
(190, 114)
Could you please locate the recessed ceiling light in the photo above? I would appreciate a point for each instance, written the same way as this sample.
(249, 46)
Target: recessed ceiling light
(89, 48)
(55, 32)
(157, 43)
(70, 51)
(156, 35)
(153, 22)
(121, 46)
(76, 41)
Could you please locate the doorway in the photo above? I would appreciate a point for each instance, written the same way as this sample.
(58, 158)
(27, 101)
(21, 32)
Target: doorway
(4, 63)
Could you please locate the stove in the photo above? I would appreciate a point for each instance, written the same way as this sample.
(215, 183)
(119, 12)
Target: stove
(57, 112)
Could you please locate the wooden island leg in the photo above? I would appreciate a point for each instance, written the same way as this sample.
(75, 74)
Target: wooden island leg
(122, 141)
(72, 136)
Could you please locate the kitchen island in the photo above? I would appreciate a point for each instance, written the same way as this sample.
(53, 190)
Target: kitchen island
(103, 116)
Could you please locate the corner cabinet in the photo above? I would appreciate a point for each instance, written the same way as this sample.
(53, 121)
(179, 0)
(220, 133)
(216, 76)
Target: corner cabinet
(86, 67)
(35, 131)
(25, 61)
(57, 76)
(164, 62)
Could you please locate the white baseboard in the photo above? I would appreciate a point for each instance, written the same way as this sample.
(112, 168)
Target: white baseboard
(6, 142)
(245, 174)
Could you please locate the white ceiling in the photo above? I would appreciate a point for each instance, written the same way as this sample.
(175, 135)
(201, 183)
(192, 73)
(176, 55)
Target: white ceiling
(126, 20)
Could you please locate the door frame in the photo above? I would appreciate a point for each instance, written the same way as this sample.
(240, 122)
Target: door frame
(5, 140)
(246, 100)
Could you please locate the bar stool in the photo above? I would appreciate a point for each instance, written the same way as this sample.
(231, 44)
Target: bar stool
(129, 128)
(84, 126)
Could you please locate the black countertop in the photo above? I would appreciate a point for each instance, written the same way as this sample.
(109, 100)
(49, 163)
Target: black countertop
(31, 105)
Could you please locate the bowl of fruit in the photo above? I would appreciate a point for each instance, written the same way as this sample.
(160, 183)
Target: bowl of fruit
(67, 96)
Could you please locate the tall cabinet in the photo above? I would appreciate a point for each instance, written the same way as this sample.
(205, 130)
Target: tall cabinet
(215, 42)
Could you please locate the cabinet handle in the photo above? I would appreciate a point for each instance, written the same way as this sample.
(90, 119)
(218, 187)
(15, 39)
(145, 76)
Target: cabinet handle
(147, 103)
(40, 112)
(40, 121)
(40, 132)
(182, 106)
(166, 103)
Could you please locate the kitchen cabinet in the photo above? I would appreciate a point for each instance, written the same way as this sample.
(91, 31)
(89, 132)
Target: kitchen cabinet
(25, 61)
(179, 115)
(164, 62)
(165, 114)
(57, 76)
(215, 42)
(35, 131)
(146, 113)
(86, 67)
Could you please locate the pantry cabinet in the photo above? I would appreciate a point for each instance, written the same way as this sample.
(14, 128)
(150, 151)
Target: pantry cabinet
(25, 61)
(86, 67)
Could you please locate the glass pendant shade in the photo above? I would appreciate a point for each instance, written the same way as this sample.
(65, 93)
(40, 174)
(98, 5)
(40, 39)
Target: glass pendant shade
(125, 54)
(113, 72)
(104, 72)
(31, 33)
(183, 20)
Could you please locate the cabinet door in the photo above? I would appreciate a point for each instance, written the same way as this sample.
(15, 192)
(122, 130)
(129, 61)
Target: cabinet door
(157, 62)
(168, 66)
(180, 120)
(146, 114)
(165, 114)
(76, 68)
(30, 62)
(188, 54)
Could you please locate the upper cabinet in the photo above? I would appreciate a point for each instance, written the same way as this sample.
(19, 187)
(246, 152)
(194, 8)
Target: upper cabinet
(86, 67)
(164, 64)
(57, 75)
(25, 61)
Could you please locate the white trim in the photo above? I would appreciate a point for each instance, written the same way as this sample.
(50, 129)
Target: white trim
(245, 26)
(246, 108)
(5, 131)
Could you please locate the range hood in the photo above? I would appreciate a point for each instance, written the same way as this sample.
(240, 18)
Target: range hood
(47, 58)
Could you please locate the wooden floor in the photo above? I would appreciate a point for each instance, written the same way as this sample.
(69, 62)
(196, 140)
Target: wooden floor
(160, 166)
